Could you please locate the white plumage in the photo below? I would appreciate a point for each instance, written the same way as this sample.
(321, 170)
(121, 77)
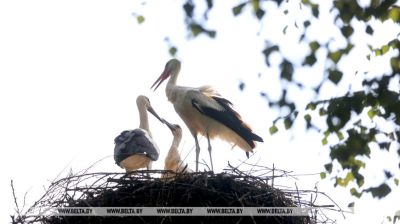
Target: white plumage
(135, 149)
(205, 112)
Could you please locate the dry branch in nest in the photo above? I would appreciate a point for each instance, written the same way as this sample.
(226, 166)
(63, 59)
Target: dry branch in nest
(146, 189)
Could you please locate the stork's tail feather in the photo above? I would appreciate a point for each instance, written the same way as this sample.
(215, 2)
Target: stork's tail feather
(257, 138)
(250, 137)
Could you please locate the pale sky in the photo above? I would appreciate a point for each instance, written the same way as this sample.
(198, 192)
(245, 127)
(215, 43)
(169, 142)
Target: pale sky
(70, 72)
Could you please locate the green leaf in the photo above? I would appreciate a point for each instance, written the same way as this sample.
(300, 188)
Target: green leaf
(322, 111)
(384, 145)
(395, 43)
(307, 117)
(359, 177)
(391, 136)
(369, 30)
(335, 76)
(373, 112)
(273, 129)
(345, 181)
(260, 13)
(188, 7)
(310, 60)
(211, 33)
(335, 56)
(287, 70)
(340, 135)
(380, 191)
(306, 24)
(395, 64)
(288, 123)
(394, 14)
(378, 52)
(139, 19)
(172, 51)
(241, 86)
(322, 175)
(350, 205)
(314, 46)
(311, 106)
(348, 48)
(324, 141)
(396, 181)
(196, 29)
(347, 31)
(385, 48)
(388, 174)
(355, 193)
(315, 10)
(267, 52)
(209, 4)
(238, 9)
(328, 167)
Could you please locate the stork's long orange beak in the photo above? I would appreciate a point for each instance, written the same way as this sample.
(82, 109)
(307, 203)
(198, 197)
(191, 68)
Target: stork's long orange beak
(166, 73)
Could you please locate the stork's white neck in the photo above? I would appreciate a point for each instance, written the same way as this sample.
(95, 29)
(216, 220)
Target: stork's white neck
(176, 141)
(144, 120)
(171, 86)
(173, 156)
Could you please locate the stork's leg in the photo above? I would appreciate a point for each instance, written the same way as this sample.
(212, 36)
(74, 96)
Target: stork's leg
(197, 152)
(149, 165)
(209, 151)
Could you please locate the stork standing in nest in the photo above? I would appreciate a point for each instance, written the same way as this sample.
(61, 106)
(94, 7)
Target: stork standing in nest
(173, 161)
(206, 112)
(135, 149)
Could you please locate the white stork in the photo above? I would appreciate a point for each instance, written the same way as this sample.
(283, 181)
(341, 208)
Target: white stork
(173, 160)
(205, 112)
(135, 149)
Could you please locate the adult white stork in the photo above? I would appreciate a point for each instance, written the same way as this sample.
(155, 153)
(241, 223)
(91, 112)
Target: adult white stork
(173, 160)
(135, 149)
(205, 112)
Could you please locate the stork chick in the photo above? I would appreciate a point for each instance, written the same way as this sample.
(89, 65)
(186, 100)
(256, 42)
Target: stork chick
(173, 161)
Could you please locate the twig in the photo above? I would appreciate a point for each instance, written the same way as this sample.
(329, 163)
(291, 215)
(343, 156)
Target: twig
(15, 199)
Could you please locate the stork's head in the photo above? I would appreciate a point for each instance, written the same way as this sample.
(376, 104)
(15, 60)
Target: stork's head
(144, 102)
(175, 129)
(173, 66)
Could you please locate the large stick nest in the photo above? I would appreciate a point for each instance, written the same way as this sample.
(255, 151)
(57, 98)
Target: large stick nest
(147, 189)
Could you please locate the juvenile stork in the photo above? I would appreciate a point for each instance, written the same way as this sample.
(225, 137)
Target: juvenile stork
(205, 112)
(173, 160)
(135, 149)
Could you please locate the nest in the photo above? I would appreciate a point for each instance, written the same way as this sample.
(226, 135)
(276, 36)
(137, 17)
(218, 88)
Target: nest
(147, 189)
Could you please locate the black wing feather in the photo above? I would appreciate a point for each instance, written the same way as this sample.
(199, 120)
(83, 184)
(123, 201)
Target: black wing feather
(133, 142)
(229, 118)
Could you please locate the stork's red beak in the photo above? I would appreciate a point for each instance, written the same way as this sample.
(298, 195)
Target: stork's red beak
(166, 73)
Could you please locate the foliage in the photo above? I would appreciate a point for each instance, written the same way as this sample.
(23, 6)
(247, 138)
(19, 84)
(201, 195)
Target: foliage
(343, 115)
